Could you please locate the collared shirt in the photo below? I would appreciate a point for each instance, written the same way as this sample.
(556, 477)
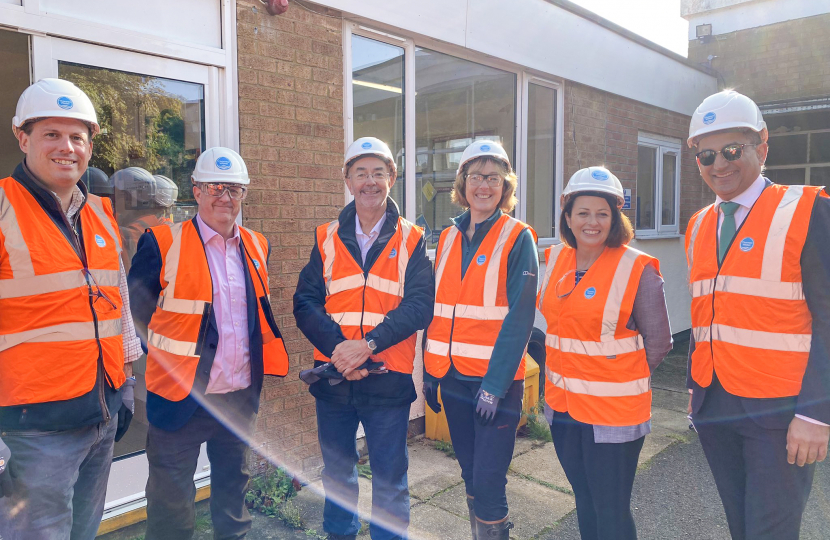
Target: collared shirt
(131, 343)
(364, 240)
(231, 368)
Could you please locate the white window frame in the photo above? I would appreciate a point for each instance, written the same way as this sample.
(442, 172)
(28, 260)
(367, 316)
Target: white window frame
(409, 43)
(663, 146)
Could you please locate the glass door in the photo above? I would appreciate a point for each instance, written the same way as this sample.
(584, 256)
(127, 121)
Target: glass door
(156, 117)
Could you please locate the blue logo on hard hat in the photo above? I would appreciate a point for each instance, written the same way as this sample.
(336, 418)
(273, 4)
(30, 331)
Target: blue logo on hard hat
(480, 260)
(65, 103)
(223, 164)
(747, 244)
(485, 147)
(100, 240)
(393, 253)
(590, 292)
(709, 118)
(599, 175)
(366, 145)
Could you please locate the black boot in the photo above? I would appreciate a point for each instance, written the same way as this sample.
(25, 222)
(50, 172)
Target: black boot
(493, 531)
(472, 510)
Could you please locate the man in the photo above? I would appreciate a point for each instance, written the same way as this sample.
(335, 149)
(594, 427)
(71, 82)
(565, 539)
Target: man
(66, 392)
(365, 292)
(200, 287)
(759, 360)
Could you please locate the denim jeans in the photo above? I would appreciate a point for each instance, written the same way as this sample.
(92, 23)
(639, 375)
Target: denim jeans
(385, 429)
(61, 483)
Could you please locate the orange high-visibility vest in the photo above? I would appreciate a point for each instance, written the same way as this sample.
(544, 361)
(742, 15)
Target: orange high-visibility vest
(750, 320)
(50, 333)
(177, 329)
(596, 368)
(358, 303)
(469, 312)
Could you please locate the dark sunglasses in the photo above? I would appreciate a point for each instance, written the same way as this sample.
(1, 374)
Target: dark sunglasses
(730, 152)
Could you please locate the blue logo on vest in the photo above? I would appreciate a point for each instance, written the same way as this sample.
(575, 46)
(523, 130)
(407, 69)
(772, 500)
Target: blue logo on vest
(709, 118)
(480, 260)
(366, 145)
(65, 103)
(599, 175)
(485, 147)
(590, 292)
(393, 253)
(256, 264)
(223, 164)
(747, 244)
(100, 240)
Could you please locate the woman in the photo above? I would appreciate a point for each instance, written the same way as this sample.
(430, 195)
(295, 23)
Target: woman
(608, 328)
(485, 284)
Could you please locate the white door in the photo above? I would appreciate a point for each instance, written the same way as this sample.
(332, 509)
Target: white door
(156, 115)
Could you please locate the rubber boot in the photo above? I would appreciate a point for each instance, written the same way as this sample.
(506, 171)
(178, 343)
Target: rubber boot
(470, 507)
(500, 530)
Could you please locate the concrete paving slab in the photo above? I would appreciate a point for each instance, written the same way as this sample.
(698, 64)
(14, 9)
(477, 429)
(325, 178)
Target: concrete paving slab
(542, 464)
(672, 420)
(655, 442)
(428, 522)
(672, 400)
(430, 470)
(523, 445)
(532, 506)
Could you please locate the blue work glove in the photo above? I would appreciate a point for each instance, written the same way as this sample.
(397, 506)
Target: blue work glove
(486, 407)
(7, 473)
(431, 395)
(125, 413)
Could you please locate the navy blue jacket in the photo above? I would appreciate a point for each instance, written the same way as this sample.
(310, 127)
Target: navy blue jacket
(814, 399)
(414, 313)
(143, 281)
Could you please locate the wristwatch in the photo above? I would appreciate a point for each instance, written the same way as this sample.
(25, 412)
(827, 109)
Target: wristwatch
(371, 344)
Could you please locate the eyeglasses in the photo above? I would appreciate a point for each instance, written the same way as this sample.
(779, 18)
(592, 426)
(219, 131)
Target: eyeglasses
(377, 177)
(566, 283)
(730, 152)
(100, 302)
(235, 191)
(493, 180)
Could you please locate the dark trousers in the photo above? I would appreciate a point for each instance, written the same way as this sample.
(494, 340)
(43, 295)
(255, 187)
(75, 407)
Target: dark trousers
(763, 495)
(483, 452)
(385, 429)
(601, 476)
(172, 455)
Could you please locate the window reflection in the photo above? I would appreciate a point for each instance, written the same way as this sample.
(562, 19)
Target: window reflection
(541, 151)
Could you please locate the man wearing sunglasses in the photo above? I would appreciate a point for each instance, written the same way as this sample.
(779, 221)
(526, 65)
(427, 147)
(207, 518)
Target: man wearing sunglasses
(201, 289)
(67, 339)
(759, 358)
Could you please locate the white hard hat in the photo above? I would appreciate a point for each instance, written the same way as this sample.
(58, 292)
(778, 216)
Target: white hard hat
(724, 111)
(50, 98)
(166, 191)
(369, 146)
(135, 187)
(594, 179)
(483, 148)
(221, 165)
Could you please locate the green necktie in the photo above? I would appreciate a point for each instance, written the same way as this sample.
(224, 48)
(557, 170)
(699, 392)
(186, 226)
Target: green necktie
(727, 228)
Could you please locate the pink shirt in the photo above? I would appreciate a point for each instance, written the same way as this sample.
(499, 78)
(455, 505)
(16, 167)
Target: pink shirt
(232, 366)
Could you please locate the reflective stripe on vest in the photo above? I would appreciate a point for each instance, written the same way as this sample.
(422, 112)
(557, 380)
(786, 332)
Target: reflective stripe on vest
(469, 312)
(48, 323)
(596, 367)
(751, 308)
(359, 302)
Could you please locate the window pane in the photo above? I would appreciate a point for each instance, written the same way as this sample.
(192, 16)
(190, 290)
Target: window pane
(787, 150)
(786, 176)
(541, 145)
(646, 186)
(820, 176)
(14, 72)
(668, 193)
(378, 94)
(820, 148)
(457, 102)
(152, 132)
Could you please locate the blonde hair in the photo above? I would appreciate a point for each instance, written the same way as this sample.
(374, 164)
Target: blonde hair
(508, 195)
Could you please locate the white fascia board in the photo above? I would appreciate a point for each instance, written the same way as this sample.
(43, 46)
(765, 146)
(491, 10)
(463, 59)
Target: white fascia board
(755, 14)
(538, 35)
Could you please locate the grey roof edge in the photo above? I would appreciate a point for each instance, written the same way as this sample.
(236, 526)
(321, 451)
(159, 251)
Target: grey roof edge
(628, 34)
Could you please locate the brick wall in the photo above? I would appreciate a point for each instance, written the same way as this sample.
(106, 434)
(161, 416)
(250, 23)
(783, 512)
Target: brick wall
(780, 61)
(606, 127)
(291, 137)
